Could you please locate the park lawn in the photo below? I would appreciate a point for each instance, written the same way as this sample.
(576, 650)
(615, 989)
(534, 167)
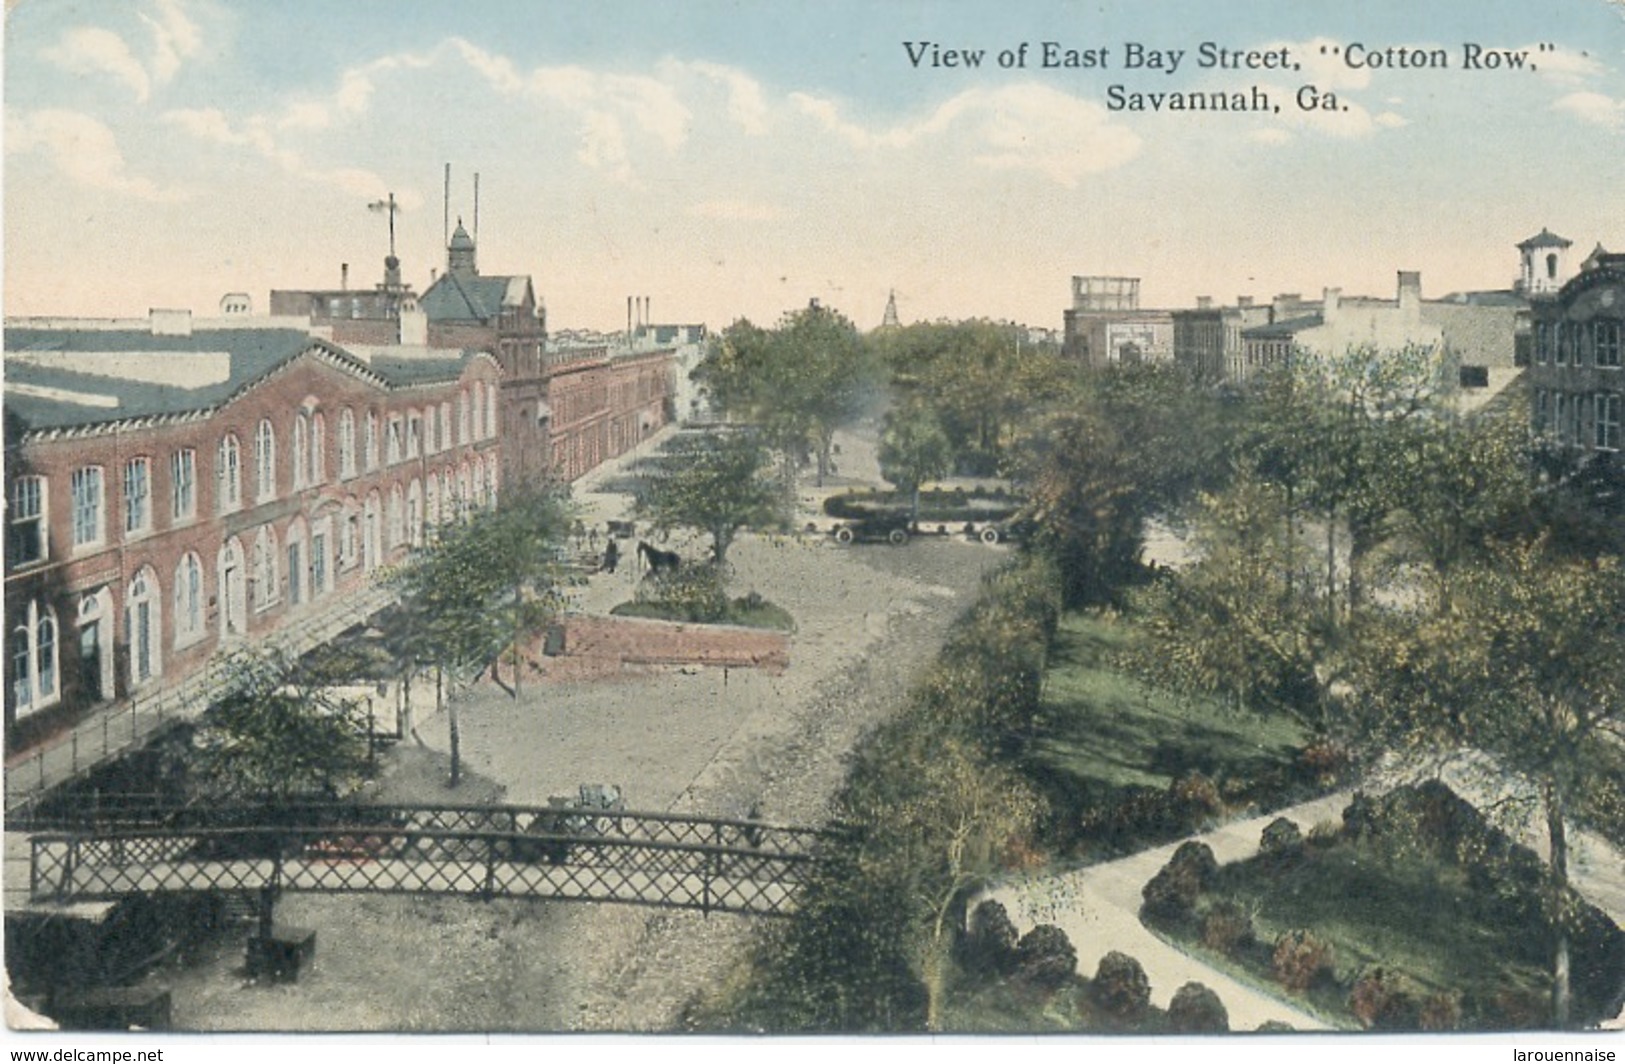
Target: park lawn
(1103, 727)
(760, 615)
(1410, 913)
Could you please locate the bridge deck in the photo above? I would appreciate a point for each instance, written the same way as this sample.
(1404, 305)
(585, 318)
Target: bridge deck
(709, 864)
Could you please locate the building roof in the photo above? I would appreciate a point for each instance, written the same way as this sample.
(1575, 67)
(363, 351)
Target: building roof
(1282, 329)
(1489, 298)
(458, 296)
(1544, 239)
(147, 375)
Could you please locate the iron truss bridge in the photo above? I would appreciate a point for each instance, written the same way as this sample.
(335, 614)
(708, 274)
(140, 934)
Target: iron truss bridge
(544, 853)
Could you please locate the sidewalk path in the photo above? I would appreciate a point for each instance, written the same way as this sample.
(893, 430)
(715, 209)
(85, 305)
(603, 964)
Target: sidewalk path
(1098, 906)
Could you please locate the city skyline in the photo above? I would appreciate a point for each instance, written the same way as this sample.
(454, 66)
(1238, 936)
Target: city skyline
(736, 161)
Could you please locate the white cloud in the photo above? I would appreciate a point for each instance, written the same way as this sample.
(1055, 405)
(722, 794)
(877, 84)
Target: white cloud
(1019, 127)
(746, 105)
(1270, 135)
(92, 50)
(174, 37)
(212, 125)
(84, 150)
(1595, 108)
(1563, 67)
(736, 210)
(1390, 120)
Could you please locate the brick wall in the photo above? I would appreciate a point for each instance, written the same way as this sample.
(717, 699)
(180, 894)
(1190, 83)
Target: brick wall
(594, 647)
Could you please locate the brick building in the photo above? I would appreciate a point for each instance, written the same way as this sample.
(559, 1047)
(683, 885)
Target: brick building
(175, 488)
(1577, 375)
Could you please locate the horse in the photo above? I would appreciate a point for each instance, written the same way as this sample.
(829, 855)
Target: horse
(659, 561)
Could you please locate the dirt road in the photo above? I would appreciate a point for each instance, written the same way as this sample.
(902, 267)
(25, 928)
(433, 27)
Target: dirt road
(868, 617)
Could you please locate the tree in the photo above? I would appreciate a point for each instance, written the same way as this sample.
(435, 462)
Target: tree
(945, 826)
(280, 731)
(1241, 621)
(796, 383)
(1527, 665)
(983, 383)
(913, 449)
(717, 489)
(483, 582)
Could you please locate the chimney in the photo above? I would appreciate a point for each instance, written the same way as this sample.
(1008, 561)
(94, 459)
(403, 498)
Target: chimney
(629, 317)
(344, 276)
(1410, 291)
(1204, 302)
(1244, 301)
(1331, 300)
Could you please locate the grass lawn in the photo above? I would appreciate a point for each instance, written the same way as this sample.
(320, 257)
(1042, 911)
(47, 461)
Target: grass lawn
(1111, 742)
(761, 615)
(1409, 912)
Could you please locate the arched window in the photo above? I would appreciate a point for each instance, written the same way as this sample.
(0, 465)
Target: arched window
(1551, 267)
(414, 515)
(298, 564)
(301, 450)
(228, 476)
(346, 443)
(397, 526)
(34, 660)
(265, 461)
(264, 567)
(370, 532)
(463, 427)
(232, 584)
(369, 440)
(318, 449)
(491, 409)
(143, 625)
(491, 482)
(445, 425)
(479, 410)
(188, 601)
(431, 500)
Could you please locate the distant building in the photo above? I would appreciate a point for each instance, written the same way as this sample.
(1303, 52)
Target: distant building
(1106, 324)
(1207, 339)
(1542, 265)
(1577, 376)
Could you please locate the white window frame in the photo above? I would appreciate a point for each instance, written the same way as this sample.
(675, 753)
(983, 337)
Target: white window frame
(228, 474)
(183, 484)
(190, 599)
(89, 496)
(29, 507)
(265, 461)
(138, 496)
(1606, 433)
(26, 675)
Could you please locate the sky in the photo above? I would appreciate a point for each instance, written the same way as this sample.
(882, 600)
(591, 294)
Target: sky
(736, 158)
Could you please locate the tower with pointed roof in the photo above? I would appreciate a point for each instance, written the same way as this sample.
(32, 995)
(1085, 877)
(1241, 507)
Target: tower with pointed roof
(889, 319)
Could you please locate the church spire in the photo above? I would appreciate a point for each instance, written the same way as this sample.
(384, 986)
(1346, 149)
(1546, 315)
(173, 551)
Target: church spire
(889, 320)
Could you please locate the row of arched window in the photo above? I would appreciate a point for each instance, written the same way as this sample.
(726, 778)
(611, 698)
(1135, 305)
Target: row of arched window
(252, 573)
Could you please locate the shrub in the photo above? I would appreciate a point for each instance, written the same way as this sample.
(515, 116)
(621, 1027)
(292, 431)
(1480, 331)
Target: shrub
(1121, 987)
(1324, 762)
(1325, 834)
(1275, 1027)
(1516, 1008)
(1196, 797)
(1197, 859)
(1197, 1010)
(1384, 1000)
(1441, 1011)
(990, 941)
(694, 592)
(1301, 959)
(1280, 837)
(1227, 929)
(1045, 957)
